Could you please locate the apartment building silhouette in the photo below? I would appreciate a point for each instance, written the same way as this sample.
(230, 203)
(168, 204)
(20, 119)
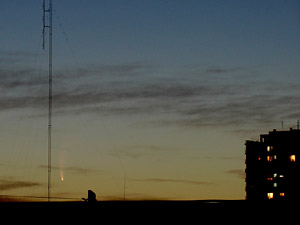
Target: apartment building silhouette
(271, 166)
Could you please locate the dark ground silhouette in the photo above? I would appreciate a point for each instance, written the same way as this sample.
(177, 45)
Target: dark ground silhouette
(153, 209)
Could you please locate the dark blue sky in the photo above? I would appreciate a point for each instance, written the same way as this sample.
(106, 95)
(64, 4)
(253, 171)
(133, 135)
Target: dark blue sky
(237, 33)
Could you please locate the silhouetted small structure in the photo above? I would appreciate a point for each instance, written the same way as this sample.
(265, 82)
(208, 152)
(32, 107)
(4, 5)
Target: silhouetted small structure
(91, 196)
(271, 166)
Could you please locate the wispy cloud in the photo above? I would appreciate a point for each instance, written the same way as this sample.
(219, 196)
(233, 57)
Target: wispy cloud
(219, 70)
(10, 184)
(138, 151)
(19, 79)
(238, 172)
(163, 180)
(72, 169)
(15, 57)
(194, 99)
(136, 197)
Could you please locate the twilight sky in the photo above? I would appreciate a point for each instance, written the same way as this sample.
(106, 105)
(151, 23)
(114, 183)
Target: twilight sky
(164, 93)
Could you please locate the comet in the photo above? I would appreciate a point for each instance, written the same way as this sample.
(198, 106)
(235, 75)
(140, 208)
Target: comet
(61, 166)
(61, 174)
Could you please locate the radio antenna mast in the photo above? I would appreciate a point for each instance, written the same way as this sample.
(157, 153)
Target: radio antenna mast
(49, 26)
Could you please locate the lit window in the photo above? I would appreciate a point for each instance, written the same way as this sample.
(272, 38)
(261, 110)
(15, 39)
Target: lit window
(282, 194)
(281, 176)
(293, 158)
(270, 178)
(270, 195)
(259, 158)
(269, 148)
(275, 156)
(275, 185)
(269, 158)
(275, 175)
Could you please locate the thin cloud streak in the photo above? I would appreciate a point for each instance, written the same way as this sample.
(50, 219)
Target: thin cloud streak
(238, 172)
(163, 180)
(138, 151)
(72, 169)
(11, 184)
(218, 70)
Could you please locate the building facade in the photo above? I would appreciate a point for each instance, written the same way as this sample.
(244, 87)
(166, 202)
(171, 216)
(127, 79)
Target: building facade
(271, 166)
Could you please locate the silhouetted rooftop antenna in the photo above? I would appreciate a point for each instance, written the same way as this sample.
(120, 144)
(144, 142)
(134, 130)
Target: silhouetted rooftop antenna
(49, 26)
(124, 197)
(281, 123)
